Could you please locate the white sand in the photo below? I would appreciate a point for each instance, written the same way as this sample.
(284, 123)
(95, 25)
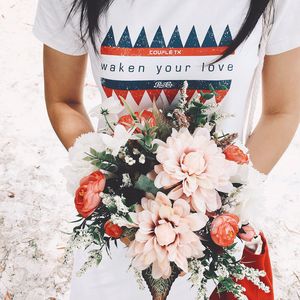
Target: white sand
(34, 207)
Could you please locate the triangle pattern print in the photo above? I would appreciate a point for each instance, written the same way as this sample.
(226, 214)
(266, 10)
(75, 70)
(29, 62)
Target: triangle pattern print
(137, 89)
(191, 47)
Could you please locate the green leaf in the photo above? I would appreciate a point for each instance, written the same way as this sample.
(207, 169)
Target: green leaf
(93, 152)
(129, 109)
(231, 247)
(163, 124)
(147, 185)
(208, 96)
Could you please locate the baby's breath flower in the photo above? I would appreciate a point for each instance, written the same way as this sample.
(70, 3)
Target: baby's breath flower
(93, 260)
(142, 159)
(222, 272)
(136, 151)
(126, 180)
(129, 160)
(120, 204)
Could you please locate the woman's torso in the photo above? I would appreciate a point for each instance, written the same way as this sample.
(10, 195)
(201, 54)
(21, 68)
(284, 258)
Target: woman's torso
(147, 49)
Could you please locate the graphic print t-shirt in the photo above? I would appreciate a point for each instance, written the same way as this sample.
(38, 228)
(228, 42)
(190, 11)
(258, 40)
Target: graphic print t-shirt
(147, 49)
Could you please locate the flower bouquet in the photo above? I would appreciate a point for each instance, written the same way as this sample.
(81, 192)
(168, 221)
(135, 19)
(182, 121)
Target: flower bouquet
(170, 185)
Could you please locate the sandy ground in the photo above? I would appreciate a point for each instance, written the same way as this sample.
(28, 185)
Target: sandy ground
(34, 206)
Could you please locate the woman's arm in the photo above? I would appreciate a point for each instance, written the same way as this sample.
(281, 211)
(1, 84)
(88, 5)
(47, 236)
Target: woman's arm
(281, 110)
(64, 81)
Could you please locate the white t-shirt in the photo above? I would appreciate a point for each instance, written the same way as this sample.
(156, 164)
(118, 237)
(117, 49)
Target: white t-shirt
(148, 48)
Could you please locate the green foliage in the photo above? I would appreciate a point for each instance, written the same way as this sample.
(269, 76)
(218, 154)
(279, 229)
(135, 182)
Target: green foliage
(102, 160)
(164, 125)
(197, 114)
(145, 184)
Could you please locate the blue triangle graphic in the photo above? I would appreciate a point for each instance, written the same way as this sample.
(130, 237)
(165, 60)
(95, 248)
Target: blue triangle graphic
(109, 39)
(158, 40)
(192, 41)
(125, 40)
(175, 41)
(142, 41)
(226, 39)
(209, 40)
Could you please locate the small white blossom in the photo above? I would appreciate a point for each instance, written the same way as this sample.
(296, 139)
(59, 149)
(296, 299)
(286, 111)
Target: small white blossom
(196, 270)
(120, 221)
(120, 204)
(107, 199)
(142, 159)
(139, 278)
(129, 160)
(79, 241)
(136, 151)
(222, 272)
(126, 180)
(93, 260)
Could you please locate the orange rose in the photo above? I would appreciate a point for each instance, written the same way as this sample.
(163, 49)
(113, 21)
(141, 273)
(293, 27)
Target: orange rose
(87, 197)
(143, 117)
(224, 229)
(248, 233)
(112, 229)
(234, 153)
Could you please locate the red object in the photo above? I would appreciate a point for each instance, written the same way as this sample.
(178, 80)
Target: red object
(224, 229)
(113, 230)
(234, 153)
(261, 262)
(145, 116)
(87, 195)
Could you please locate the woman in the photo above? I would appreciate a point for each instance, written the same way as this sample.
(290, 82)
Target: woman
(143, 51)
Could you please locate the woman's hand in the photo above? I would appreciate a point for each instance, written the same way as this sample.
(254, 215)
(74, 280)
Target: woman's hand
(281, 110)
(64, 77)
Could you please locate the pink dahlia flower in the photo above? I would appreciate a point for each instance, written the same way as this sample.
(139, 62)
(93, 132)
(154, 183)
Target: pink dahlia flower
(165, 234)
(195, 168)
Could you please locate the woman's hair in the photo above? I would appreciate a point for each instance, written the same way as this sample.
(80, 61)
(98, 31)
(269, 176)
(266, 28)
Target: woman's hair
(90, 11)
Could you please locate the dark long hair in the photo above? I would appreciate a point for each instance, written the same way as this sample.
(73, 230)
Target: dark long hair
(90, 10)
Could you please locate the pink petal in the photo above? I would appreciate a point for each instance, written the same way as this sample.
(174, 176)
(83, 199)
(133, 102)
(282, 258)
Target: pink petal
(181, 208)
(198, 201)
(165, 234)
(162, 198)
(176, 192)
(197, 221)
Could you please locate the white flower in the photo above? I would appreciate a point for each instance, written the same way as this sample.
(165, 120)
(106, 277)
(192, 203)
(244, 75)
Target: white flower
(250, 199)
(118, 140)
(126, 180)
(107, 112)
(107, 200)
(129, 160)
(121, 207)
(79, 168)
(121, 221)
(142, 159)
(222, 272)
(136, 151)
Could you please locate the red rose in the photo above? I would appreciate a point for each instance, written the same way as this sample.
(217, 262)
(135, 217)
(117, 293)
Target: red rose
(112, 229)
(144, 117)
(234, 153)
(87, 197)
(224, 229)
